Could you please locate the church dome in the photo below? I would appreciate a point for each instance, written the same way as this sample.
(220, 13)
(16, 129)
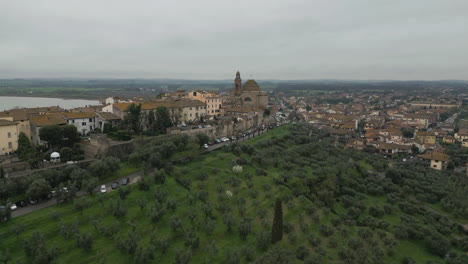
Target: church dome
(251, 85)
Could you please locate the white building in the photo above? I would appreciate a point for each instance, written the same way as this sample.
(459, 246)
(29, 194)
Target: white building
(115, 99)
(83, 121)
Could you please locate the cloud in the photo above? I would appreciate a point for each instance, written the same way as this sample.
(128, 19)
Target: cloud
(281, 39)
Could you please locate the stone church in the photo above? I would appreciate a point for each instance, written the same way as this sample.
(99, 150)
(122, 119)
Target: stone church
(247, 96)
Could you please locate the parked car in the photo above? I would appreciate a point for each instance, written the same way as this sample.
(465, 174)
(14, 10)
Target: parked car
(205, 146)
(103, 188)
(211, 143)
(21, 203)
(13, 207)
(233, 138)
(218, 141)
(114, 185)
(125, 181)
(33, 201)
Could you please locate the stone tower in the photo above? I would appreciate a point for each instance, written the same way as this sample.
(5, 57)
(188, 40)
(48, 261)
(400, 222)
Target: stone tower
(237, 83)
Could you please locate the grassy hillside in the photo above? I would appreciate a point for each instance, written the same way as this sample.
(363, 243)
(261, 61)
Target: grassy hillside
(337, 208)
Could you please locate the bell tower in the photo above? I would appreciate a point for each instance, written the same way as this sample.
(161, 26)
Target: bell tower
(237, 82)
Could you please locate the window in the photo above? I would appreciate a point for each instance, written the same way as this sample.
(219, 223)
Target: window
(83, 124)
(9, 134)
(73, 121)
(10, 145)
(90, 120)
(247, 99)
(190, 114)
(190, 108)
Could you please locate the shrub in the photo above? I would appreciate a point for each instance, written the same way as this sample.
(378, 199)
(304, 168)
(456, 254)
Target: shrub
(175, 223)
(144, 184)
(156, 213)
(302, 252)
(84, 241)
(117, 208)
(245, 227)
(183, 256)
(263, 240)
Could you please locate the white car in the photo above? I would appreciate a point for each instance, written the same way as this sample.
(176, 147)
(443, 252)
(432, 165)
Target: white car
(13, 207)
(205, 146)
(103, 188)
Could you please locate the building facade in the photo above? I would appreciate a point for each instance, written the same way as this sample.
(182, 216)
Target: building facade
(8, 136)
(248, 95)
(84, 122)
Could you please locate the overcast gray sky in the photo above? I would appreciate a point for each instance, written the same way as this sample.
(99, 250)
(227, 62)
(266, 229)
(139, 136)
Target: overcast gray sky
(211, 39)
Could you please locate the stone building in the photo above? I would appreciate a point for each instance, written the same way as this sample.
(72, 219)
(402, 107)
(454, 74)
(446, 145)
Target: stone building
(248, 95)
(212, 100)
(8, 136)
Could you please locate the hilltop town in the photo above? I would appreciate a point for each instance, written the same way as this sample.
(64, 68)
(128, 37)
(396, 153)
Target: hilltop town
(182, 176)
(395, 123)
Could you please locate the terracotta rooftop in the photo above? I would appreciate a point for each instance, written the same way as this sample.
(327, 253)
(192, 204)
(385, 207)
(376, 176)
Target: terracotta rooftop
(425, 134)
(108, 116)
(45, 120)
(435, 156)
(7, 123)
(24, 113)
(79, 115)
(154, 105)
(393, 146)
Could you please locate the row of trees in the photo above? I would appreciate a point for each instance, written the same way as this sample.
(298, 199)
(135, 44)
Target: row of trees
(342, 175)
(39, 185)
(152, 122)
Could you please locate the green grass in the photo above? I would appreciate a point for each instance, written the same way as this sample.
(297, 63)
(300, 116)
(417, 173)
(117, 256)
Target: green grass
(125, 169)
(218, 165)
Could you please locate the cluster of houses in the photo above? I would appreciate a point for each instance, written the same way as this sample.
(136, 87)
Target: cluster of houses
(30, 121)
(240, 109)
(387, 126)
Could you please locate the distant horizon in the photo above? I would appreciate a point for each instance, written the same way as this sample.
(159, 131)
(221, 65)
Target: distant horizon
(229, 80)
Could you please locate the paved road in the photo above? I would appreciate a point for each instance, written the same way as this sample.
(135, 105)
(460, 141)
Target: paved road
(133, 179)
(242, 139)
(44, 204)
(450, 120)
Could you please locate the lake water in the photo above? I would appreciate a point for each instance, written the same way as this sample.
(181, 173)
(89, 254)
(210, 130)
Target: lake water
(10, 102)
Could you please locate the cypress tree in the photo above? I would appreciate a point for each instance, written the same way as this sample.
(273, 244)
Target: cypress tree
(2, 173)
(24, 146)
(277, 230)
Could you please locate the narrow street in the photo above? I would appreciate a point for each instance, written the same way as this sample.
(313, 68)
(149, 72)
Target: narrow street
(44, 204)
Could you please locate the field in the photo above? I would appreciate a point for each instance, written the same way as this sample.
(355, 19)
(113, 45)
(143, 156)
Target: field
(198, 215)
